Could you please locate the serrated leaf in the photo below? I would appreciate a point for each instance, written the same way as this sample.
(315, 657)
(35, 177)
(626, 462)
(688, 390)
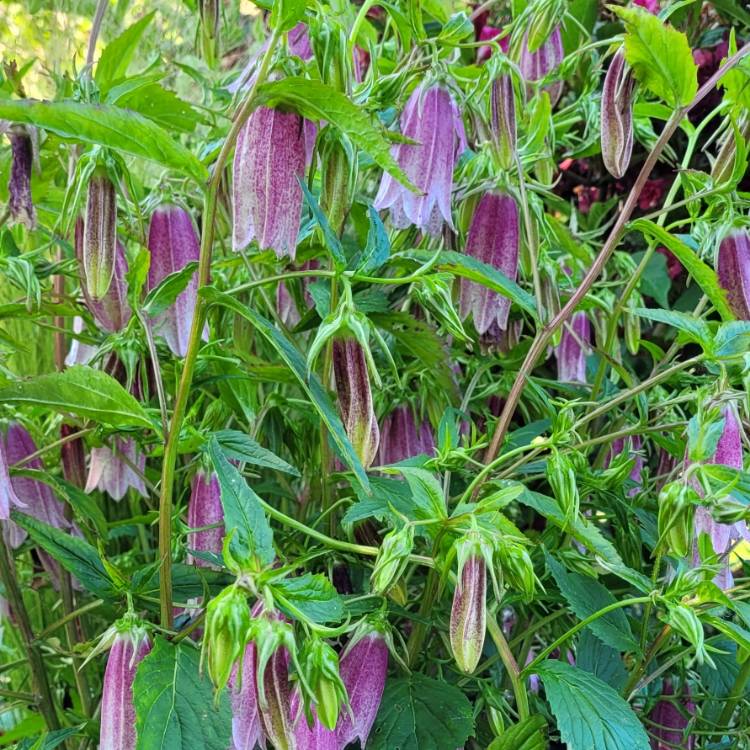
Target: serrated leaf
(601, 660)
(659, 55)
(296, 363)
(426, 490)
(238, 446)
(311, 594)
(417, 713)
(526, 735)
(106, 125)
(384, 494)
(316, 101)
(175, 707)
(585, 597)
(285, 14)
(589, 713)
(732, 339)
(117, 55)
(166, 292)
(243, 513)
(161, 105)
(75, 555)
(83, 391)
(703, 274)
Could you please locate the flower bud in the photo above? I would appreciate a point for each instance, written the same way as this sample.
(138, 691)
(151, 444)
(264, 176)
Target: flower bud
(73, 457)
(100, 235)
(617, 116)
(321, 666)
(227, 625)
(338, 178)
(20, 205)
(118, 711)
(733, 270)
(205, 510)
(517, 568)
(469, 613)
(571, 352)
(392, 558)
(355, 399)
(675, 517)
(246, 729)
(364, 667)
(562, 478)
(503, 120)
(112, 471)
(685, 621)
(543, 60)
(724, 165)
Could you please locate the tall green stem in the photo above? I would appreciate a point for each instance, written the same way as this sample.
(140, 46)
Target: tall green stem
(511, 667)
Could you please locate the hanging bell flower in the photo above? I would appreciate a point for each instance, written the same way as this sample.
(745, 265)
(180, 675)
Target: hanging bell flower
(20, 204)
(633, 447)
(269, 161)
(493, 239)
(402, 438)
(537, 64)
(205, 510)
(617, 115)
(113, 472)
(355, 398)
(468, 621)
(276, 710)
(118, 711)
(669, 720)
(100, 234)
(432, 119)
(173, 244)
(571, 352)
(363, 668)
(246, 729)
(8, 497)
(733, 270)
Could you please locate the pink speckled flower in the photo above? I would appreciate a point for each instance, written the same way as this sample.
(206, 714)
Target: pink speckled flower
(205, 509)
(538, 64)
(111, 473)
(571, 353)
(733, 270)
(402, 438)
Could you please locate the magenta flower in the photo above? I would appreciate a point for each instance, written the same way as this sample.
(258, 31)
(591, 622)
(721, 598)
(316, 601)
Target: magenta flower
(112, 471)
(315, 737)
(402, 438)
(269, 160)
(652, 193)
(494, 239)
(469, 614)
(485, 34)
(276, 713)
(118, 712)
(670, 721)
(173, 243)
(652, 6)
(246, 730)
(432, 119)
(20, 205)
(205, 509)
(617, 115)
(536, 65)
(363, 668)
(355, 399)
(99, 235)
(571, 352)
(733, 270)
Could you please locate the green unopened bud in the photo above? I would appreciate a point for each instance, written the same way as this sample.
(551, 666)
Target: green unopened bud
(561, 477)
(392, 558)
(210, 25)
(728, 510)
(99, 234)
(338, 178)
(503, 120)
(227, 625)
(685, 621)
(321, 666)
(517, 568)
(632, 324)
(675, 517)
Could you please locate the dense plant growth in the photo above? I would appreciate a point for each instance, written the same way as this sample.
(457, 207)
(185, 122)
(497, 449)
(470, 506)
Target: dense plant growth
(375, 375)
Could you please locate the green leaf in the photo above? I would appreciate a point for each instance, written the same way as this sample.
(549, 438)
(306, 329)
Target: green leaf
(332, 241)
(526, 735)
(175, 708)
(659, 55)
(285, 14)
(238, 446)
(426, 490)
(77, 557)
(117, 55)
(49, 740)
(655, 281)
(694, 328)
(704, 275)
(589, 713)
(106, 125)
(417, 713)
(732, 339)
(601, 660)
(84, 505)
(311, 594)
(161, 105)
(296, 363)
(736, 81)
(384, 493)
(243, 513)
(316, 101)
(378, 248)
(83, 391)
(482, 273)
(587, 596)
(730, 629)
(172, 286)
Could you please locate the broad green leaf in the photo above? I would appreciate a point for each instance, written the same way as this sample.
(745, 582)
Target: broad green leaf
(458, 27)
(482, 273)
(311, 594)
(732, 339)
(77, 557)
(655, 281)
(285, 14)
(427, 492)
(161, 105)
(175, 707)
(585, 597)
(117, 55)
(703, 274)
(601, 660)
(106, 125)
(736, 81)
(418, 713)
(296, 363)
(526, 735)
(172, 286)
(238, 446)
(316, 101)
(694, 328)
(332, 241)
(590, 714)
(243, 513)
(83, 391)
(188, 582)
(659, 55)
(386, 496)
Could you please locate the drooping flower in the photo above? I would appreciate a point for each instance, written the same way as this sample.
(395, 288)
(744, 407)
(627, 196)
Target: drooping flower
(118, 710)
(80, 353)
(20, 204)
(246, 729)
(173, 244)
(571, 352)
(617, 116)
(669, 720)
(8, 497)
(355, 398)
(536, 65)
(99, 235)
(316, 736)
(111, 471)
(363, 668)
(469, 613)
(485, 34)
(652, 193)
(276, 712)
(733, 270)
(493, 239)
(402, 438)
(269, 160)
(431, 118)
(205, 509)
(633, 447)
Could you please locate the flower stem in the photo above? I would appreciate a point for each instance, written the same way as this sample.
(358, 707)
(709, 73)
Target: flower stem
(511, 667)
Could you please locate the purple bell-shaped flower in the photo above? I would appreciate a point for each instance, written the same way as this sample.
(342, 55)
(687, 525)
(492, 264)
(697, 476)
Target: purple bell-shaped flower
(402, 438)
(205, 509)
(114, 472)
(571, 352)
(733, 270)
